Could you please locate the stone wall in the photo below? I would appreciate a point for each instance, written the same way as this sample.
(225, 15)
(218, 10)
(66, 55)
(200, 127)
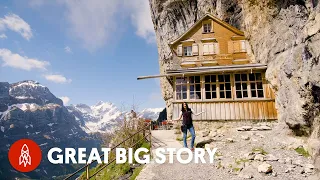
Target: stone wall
(284, 34)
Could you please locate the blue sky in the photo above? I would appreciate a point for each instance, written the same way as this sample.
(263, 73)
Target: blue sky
(84, 51)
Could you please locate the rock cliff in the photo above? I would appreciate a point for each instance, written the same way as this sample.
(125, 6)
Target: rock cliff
(284, 34)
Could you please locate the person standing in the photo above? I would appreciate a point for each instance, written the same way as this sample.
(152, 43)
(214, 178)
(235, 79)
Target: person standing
(187, 124)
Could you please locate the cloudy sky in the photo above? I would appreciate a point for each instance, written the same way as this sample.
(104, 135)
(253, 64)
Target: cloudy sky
(83, 51)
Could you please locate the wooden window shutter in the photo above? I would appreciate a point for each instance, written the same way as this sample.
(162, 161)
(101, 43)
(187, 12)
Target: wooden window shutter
(216, 48)
(230, 47)
(211, 25)
(243, 46)
(195, 49)
(236, 46)
(180, 50)
(205, 49)
(211, 48)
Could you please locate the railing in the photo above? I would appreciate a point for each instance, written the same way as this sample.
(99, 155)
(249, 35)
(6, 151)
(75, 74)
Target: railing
(146, 127)
(223, 56)
(198, 60)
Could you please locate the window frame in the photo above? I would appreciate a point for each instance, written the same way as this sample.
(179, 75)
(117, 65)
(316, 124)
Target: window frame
(194, 83)
(207, 27)
(241, 85)
(233, 90)
(210, 83)
(219, 83)
(256, 85)
(185, 51)
(183, 83)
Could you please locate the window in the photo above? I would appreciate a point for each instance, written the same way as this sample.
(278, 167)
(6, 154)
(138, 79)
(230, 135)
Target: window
(218, 86)
(187, 50)
(253, 80)
(207, 27)
(256, 85)
(181, 88)
(224, 85)
(195, 87)
(241, 83)
(210, 86)
(210, 48)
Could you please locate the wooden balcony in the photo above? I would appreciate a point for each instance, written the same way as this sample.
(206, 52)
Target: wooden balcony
(211, 60)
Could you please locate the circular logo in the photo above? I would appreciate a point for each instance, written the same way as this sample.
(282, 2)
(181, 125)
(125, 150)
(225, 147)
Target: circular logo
(25, 155)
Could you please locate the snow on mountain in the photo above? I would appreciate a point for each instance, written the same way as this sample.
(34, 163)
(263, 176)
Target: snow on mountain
(102, 117)
(150, 113)
(29, 109)
(32, 92)
(105, 116)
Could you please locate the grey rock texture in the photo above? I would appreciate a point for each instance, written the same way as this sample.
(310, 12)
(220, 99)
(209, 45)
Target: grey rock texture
(284, 34)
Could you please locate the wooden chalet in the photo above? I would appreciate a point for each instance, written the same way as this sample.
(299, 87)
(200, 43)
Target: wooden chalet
(214, 71)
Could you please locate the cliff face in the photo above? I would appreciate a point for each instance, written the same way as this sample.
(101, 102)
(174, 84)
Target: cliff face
(284, 34)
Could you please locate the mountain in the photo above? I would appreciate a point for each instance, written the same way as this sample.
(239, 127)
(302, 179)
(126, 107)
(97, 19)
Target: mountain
(104, 116)
(150, 113)
(29, 110)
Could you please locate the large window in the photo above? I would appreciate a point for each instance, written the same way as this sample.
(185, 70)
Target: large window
(210, 86)
(219, 86)
(187, 51)
(224, 86)
(241, 83)
(181, 88)
(245, 81)
(195, 87)
(256, 85)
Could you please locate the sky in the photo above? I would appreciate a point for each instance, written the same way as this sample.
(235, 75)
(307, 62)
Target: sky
(83, 51)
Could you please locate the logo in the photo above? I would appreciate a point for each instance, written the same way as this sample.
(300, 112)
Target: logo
(25, 155)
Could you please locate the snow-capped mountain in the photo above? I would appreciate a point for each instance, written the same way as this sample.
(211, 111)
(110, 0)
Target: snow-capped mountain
(150, 113)
(29, 110)
(104, 116)
(33, 92)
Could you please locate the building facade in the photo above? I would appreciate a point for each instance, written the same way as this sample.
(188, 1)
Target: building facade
(215, 72)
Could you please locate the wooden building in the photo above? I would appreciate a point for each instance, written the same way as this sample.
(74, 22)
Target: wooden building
(214, 72)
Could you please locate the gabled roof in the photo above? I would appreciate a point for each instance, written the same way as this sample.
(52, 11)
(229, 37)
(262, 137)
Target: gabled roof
(226, 25)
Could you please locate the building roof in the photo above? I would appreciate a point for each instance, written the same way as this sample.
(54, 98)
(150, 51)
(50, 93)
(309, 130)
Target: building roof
(211, 69)
(228, 26)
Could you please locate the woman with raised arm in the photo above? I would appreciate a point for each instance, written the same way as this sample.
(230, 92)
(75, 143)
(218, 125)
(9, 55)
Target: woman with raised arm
(186, 114)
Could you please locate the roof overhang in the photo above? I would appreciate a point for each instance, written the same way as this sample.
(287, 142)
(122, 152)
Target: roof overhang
(207, 70)
(233, 29)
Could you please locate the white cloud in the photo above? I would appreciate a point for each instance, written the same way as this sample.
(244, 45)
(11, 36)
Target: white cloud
(21, 62)
(15, 23)
(57, 78)
(67, 49)
(3, 36)
(141, 19)
(96, 22)
(92, 22)
(65, 100)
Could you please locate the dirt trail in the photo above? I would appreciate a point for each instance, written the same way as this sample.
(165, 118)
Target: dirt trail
(241, 153)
